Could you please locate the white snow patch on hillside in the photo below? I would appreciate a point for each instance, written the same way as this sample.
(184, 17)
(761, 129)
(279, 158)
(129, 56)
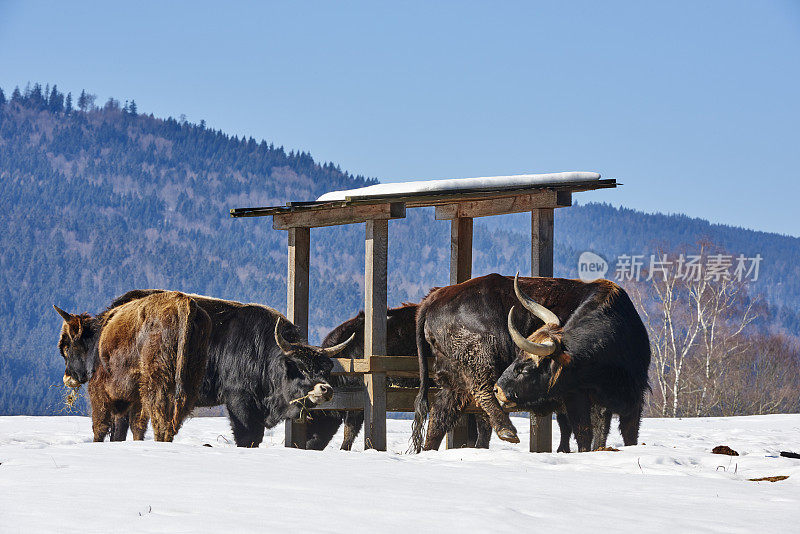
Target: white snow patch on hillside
(53, 479)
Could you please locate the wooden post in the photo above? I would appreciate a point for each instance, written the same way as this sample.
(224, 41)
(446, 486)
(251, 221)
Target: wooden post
(461, 271)
(542, 265)
(297, 311)
(376, 255)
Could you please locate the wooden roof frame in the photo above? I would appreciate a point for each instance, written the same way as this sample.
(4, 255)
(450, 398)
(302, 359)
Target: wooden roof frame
(460, 207)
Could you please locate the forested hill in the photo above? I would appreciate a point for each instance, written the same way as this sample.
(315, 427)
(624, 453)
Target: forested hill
(99, 200)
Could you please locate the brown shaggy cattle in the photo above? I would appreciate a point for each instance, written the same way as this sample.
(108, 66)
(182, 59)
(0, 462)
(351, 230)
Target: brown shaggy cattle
(148, 355)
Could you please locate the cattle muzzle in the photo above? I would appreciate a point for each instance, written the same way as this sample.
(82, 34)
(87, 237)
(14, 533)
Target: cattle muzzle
(71, 382)
(322, 392)
(502, 398)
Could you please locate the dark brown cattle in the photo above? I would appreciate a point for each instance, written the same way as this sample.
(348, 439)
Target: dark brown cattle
(598, 355)
(465, 327)
(148, 354)
(400, 341)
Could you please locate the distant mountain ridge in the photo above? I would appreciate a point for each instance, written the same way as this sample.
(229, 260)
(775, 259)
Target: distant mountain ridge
(97, 201)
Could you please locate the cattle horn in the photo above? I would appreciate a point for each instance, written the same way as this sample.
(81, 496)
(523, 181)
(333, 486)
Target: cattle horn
(284, 345)
(537, 349)
(336, 349)
(64, 315)
(534, 307)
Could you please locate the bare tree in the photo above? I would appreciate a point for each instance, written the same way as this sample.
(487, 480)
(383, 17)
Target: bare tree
(700, 320)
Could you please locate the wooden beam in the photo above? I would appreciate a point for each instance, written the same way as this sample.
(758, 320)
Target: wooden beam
(397, 400)
(338, 215)
(460, 250)
(297, 278)
(297, 312)
(542, 242)
(501, 206)
(416, 200)
(391, 365)
(376, 256)
(460, 271)
(541, 265)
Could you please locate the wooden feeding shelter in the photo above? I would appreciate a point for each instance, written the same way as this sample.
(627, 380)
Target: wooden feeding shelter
(458, 201)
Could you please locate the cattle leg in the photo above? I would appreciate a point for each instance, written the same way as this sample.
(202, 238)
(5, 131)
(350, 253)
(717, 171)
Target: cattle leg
(485, 399)
(601, 425)
(629, 425)
(137, 418)
(101, 416)
(320, 429)
(160, 407)
(484, 431)
(445, 411)
(119, 428)
(247, 422)
(353, 421)
(565, 428)
(579, 413)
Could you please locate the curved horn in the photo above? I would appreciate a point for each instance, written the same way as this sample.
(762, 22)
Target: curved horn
(336, 349)
(537, 349)
(534, 307)
(284, 345)
(64, 315)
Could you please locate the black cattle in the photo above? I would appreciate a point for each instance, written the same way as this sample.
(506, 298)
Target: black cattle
(600, 356)
(259, 366)
(464, 327)
(400, 341)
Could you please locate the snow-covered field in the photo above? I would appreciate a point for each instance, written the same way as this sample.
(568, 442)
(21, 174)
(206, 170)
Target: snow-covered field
(53, 479)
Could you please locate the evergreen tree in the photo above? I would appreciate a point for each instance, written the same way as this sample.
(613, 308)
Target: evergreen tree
(2, 99)
(82, 101)
(36, 98)
(68, 104)
(16, 95)
(56, 100)
(132, 108)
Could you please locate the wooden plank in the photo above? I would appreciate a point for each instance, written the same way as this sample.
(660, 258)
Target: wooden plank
(312, 218)
(447, 197)
(391, 365)
(501, 206)
(460, 250)
(397, 400)
(541, 265)
(297, 311)
(297, 278)
(416, 200)
(542, 242)
(375, 270)
(295, 433)
(460, 271)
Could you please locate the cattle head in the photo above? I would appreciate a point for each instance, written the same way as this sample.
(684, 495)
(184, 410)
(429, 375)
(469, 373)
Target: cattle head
(308, 368)
(534, 375)
(76, 346)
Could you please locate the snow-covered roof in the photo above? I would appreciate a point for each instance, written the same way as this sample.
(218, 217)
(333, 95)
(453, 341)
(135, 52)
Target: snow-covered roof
(520, 181)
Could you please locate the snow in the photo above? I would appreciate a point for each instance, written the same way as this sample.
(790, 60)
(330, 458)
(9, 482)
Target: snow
(53, 479)
(456, 184)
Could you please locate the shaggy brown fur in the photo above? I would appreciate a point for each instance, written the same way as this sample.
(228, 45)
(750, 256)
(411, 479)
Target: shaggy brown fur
(148, 355)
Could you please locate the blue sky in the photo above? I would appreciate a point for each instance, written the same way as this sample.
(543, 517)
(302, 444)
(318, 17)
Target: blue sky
(694, 106)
